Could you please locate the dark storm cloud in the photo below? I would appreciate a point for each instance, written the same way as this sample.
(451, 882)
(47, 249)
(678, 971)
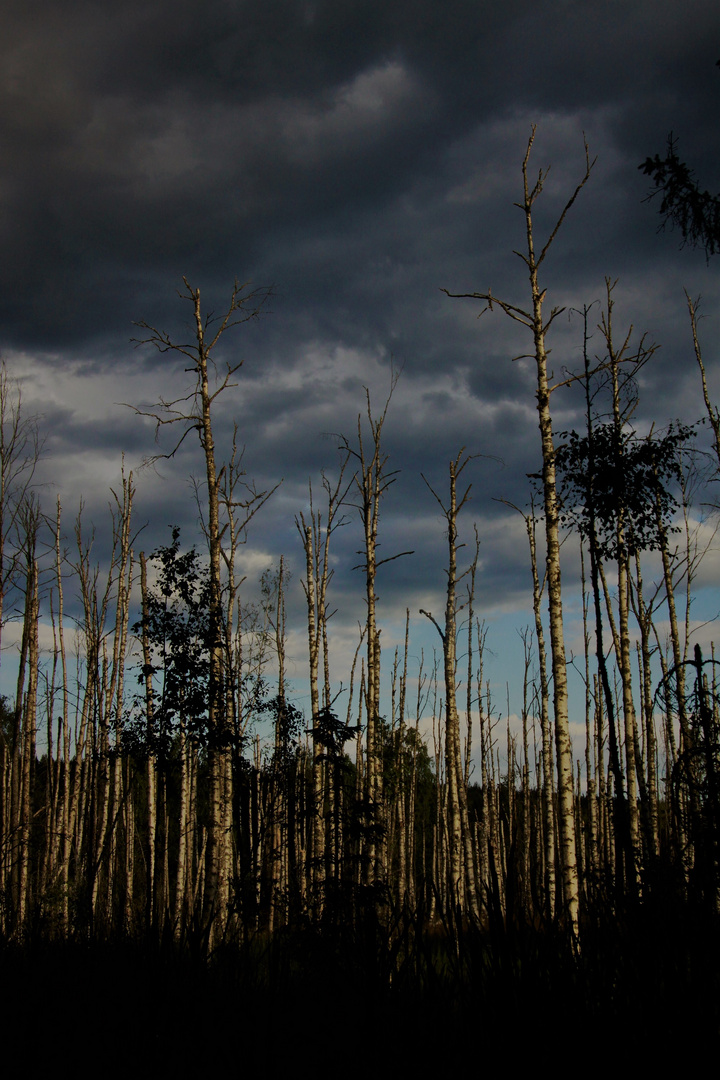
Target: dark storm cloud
(140, 141)
(359, 157)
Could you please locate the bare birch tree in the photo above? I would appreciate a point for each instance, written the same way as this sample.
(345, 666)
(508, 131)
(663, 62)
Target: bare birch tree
(462, 863)
(20, 449)
(193, 411)
(316, 535)
(538, 324)
(372, 480)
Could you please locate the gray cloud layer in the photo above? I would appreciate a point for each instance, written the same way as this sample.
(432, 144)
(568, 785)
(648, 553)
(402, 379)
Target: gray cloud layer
(358, 157)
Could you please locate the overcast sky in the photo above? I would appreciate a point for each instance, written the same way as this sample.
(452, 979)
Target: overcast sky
(358, 158)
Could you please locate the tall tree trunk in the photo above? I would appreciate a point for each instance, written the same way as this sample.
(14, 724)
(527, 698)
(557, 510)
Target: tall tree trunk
(462, 875)
(32, 616)
(372, 481)
(534, 321)
(151, 797)
(197, 416)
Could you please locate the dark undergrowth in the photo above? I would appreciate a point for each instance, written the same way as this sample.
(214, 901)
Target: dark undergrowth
(375, 997)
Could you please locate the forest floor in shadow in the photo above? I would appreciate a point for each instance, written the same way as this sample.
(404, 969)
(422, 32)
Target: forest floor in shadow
(642, 988)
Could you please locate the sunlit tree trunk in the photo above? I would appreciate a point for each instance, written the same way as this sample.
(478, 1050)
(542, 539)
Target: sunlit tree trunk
(372, 481)
(461, 870)
(195, 413)
(624, 655)
(151, 774)
(548, 802)
(535, 321)
(32, 615)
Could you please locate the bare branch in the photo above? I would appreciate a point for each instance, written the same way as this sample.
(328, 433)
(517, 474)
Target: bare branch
(391, 558)
(589, 165)
(712, 412)
(516, 313)
(434, 621)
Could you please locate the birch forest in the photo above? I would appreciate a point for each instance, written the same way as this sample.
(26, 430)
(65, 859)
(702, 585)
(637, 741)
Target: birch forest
(396, 845)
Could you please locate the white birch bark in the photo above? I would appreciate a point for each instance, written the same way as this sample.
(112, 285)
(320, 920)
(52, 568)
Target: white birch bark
(244, 305)
(462, 885)
(535, 321)
(32, 615)
(372, 481)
